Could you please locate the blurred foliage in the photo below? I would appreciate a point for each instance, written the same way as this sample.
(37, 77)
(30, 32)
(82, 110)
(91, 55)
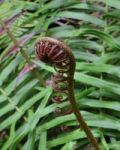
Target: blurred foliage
(27, 115)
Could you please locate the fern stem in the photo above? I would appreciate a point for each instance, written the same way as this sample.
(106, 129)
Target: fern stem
(24, 54)
(73, 103)
(13, 104)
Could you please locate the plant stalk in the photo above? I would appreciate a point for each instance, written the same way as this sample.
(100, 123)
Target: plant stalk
(24, 54)
(73, 103)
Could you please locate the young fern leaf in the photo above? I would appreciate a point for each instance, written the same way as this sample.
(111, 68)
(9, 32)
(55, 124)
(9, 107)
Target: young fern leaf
(52, 51)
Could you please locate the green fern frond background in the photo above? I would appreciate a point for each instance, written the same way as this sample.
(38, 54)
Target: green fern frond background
(27, 115)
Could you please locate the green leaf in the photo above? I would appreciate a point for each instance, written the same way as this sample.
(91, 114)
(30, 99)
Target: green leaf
(68, 137)
(43, 141)
(81, 16)
(90, 80)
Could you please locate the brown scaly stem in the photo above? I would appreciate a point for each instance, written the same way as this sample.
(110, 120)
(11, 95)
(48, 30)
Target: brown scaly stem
(47, 53)
(24, 54)
(75, 109)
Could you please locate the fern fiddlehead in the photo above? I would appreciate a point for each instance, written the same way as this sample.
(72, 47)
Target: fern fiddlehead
(52, 51)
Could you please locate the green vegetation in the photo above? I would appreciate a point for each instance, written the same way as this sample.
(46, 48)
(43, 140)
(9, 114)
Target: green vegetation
(28, 116)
